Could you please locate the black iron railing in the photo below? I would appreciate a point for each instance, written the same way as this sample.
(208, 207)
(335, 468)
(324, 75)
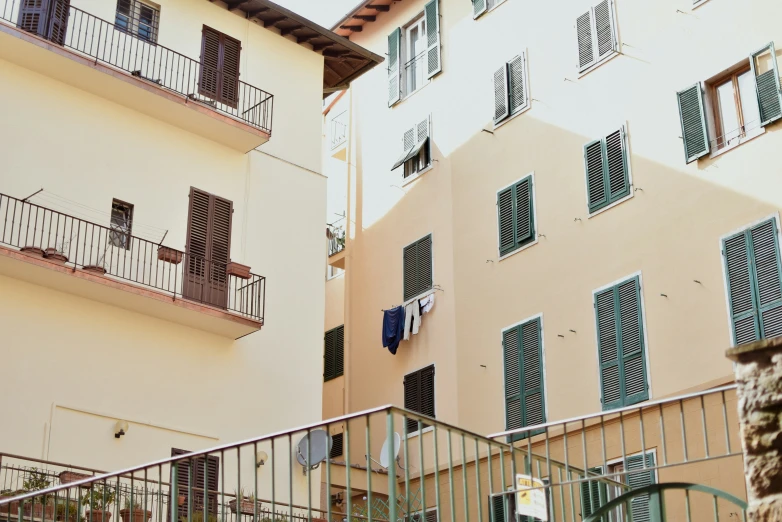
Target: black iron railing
(75, 29)
(336, 237)
(339, 130)
(60, 238)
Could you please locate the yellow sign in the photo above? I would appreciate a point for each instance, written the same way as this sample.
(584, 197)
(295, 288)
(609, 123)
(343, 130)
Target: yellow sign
(531, 502)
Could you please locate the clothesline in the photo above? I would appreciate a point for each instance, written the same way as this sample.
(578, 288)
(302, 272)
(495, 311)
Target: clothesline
(435, 288)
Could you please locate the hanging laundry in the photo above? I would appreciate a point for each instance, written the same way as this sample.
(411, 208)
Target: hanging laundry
(393, 325)
(427, 303)
(412, 318)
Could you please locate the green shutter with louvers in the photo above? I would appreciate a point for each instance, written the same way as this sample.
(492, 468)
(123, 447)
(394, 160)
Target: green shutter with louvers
(524, 379)
(593, 494)
(417, 268)
(604, 29)
(501, 109)
(621, 347)
(514, 415)
(638, 477)
(692, 115)
(506, 221)
(515, 214)
(433, 59)
(586, 50)
(394, 66)
(517, 85)
(765, 70)
(333, 353)
(593, 163)
(754, 274)
(419, 396)
(497, 508)
(606, 162)
(478, 8)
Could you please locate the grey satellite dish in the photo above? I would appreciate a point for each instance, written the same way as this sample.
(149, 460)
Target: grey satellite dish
(315, 453)
(384, 451)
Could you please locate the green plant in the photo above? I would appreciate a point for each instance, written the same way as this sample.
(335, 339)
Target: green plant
(98, 497)
(36, 481)
(198, 516)
(138, 501)
(72, 509)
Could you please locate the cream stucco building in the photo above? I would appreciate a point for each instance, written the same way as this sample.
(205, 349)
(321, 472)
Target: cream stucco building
(161, 238)
(591, 187)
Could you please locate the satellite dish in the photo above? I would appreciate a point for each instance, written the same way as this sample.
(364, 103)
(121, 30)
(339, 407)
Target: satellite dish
(384, 451)
(316, 452)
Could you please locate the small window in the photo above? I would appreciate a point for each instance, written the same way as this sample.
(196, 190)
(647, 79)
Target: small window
(334, 353)
(336, 446)
(595, 494)
(510, 89)
(419, 395)
(522, 351)
(138, 18)
(121, 224)
(515, 216)
(417, 268)
(596, 32)
(416, 149)
(734, 107)
(414, 55)
(482, 6)
(607, 167)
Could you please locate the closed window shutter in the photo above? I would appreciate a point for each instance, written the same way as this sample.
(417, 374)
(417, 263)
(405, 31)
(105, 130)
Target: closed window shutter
(339, 351)
(417, 268)
(532, 376)
(586, 50)
(593, 494)
(593, 161)
(638, 478)
(196, 475)
(33, 16)
(525, 229)
(693, 120)
(518, 84)
(507, 225)
(514, 416)
(616, 163)
(394, 69)
(501, 109)
(336, 445)
(220, 249)
(209, 81)
(604, 29)
(219, 78)
(497, 507)
(412, 398)
(433, 59)
(231, 50)
(765, 69)
(328, 356)
(409, 262)
(58, 25)
(736, 251)
(607, 170)
(431, 516)
(768, 276)
(478, 8)
(333, 353)
(427, 391)
(608, 350)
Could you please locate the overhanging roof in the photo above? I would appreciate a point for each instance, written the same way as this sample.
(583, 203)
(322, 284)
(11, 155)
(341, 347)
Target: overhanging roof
(344, 61)
(365, 12)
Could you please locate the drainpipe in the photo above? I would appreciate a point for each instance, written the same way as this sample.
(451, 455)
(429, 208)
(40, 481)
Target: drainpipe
(348, 256)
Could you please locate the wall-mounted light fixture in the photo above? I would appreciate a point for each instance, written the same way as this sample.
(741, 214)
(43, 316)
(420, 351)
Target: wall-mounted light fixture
(260, 458)
(120, 428)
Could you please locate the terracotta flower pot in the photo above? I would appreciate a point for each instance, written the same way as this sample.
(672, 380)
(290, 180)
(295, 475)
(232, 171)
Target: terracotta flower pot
(53, 255)
(32, 251)
(180, 500)
(98, 516)
(10, 509)
(246, 507)
(94, 269)
(39, 510)
(135, 515)
(169, 255)
(238, 270)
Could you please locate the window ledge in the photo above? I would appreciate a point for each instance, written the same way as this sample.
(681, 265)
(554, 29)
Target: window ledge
(512, 116)
(520, 249)
(336, 276)
(741, 141)
(596, 65)
(419, 432)
(410, 179)
(406, 96)
(615, 203)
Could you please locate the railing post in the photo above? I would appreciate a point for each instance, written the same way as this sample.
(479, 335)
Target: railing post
(391, 467)
(758, 372)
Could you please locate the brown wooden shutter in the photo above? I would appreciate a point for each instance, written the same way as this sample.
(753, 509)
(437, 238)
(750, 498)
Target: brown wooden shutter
(33, 16)
(219, 78)
(230, 67)
(201, 483)
(208, 84)
(58, 25)
(208, 248)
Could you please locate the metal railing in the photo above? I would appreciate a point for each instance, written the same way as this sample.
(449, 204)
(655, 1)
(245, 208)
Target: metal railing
(106, 251)
(336, 238)
(114, 46)
(339, 130)
(438, 469)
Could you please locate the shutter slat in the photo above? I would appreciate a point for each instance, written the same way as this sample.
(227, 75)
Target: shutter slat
(693, 121)
(586, 53)
(765, 69)
(501, 109)
(394, 69)
(635, 378)
(616, 161)
(433, 61)
(517, 82)
(604, 27)
(593, 161)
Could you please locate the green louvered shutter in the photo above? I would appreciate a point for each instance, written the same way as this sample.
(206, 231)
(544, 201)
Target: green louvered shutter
(501, 109)
(517, 91)
(635, 387)
(394, 69)
(638, 478)
(433, 60)
(410, 263)
(594, 164)
(617, 165)
(693, 119)
(523, 212)
(608, 350)
(768, 277)
(339, 351)
(586, 49)
(478, 8)
(736, 250)
(506, 221)
(593, 494)
(333, 353)
(417, 268)
(532, 374)
(328, 356)
(765, 70)
(514, 417)
(604, 29)
(497, 507)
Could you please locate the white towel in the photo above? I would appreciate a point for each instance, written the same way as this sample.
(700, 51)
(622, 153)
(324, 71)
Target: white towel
(412, 313)
(427, 303)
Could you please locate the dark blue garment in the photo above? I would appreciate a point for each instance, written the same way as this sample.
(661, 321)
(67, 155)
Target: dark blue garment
(393, 328)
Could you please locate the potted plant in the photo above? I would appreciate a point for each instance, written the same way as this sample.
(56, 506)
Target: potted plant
(246, 503)
(66, 477)
(67, 511)
(135, 511)
(198, 516)
(32, 251)
(98, 499)
(56, 253)
(40, 506)
(13, 507)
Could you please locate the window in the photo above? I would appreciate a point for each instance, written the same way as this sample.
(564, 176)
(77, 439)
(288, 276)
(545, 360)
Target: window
(419, 395)
(121, 224)
(481, 6)
(596, 493)
(502, 508)
(219, 76)
(46, 19)
(607, 170)
(510, 89)
(333, 271)
(522, 348)
(334, 353)
(515, 211)
(417, 268)
(430, 515)
(621, 350)
(336, 446)
(416, 150)
(138, 18)
(200, 482)
(733, 107)
(414, 53)
(596, 31)
(754, 281)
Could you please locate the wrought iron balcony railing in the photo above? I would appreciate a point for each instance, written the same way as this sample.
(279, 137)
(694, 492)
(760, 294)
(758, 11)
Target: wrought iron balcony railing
(106, 251)
(339, 130)
(70, 27)
(336, 236)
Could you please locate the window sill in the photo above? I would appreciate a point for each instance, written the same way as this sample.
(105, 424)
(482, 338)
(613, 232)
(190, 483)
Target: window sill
(741, 141)
(335, 276)
(420, 296)
(520, 249)
(490, 10)
(596, 65)
(406, 96)
(512, 116)
(420, 432)
(612, 205)
(410, 179)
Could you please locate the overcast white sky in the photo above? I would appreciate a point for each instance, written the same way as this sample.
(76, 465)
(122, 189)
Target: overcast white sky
(323, 12)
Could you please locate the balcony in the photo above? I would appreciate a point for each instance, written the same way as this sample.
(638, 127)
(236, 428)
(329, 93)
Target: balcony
(52, 249)
(94, 55)
(339, 135)
(336, 238)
